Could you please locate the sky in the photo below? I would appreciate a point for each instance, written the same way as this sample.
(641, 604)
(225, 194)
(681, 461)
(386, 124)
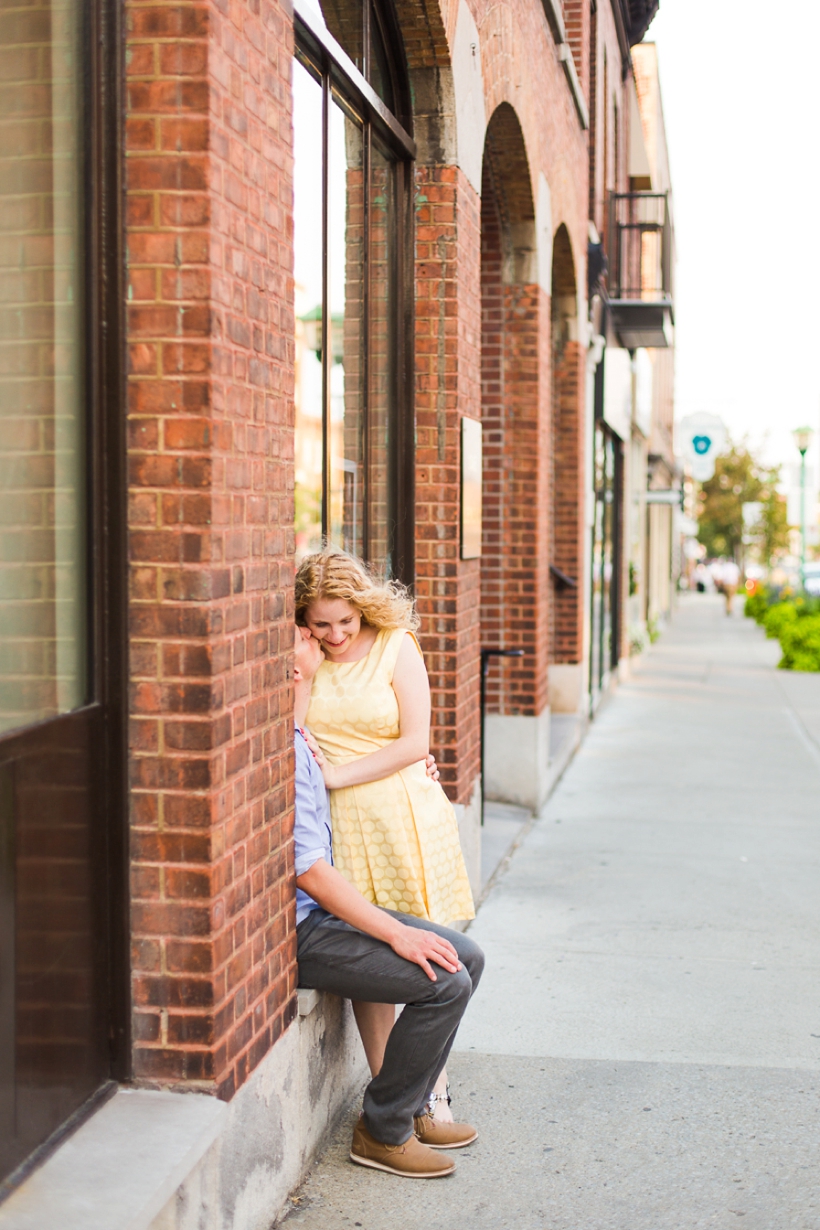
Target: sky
(741, 108)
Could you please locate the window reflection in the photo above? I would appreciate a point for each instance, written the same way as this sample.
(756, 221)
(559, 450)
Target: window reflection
(345, 22)
(307, 226)
(42, 427)
(353, 23)
(380, 74)
(347, 220)
(346, 302)
(603, 560)
(382, 295)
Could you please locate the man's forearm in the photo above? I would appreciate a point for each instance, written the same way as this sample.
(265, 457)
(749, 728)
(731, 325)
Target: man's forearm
(334, 893)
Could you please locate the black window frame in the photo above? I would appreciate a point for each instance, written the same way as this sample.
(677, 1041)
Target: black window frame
(101, 46)
(319, 52)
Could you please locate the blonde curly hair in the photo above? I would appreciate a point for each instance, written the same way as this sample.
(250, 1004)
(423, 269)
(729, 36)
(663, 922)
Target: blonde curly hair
(332, 573)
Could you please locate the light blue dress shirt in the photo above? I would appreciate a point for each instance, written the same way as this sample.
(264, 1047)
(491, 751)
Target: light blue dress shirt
(311, 827)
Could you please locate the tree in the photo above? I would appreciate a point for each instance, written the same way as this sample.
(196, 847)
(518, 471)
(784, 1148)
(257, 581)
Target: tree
(735, 482)
(771, 533)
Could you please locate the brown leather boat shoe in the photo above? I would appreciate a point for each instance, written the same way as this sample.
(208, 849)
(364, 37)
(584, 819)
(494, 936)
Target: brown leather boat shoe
(412, 1160)
(438, 1135)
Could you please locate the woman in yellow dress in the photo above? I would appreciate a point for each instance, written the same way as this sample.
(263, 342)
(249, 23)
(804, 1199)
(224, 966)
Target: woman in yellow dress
(395, 834)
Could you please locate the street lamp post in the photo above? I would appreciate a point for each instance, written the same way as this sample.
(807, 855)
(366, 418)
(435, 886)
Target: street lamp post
(802, 438)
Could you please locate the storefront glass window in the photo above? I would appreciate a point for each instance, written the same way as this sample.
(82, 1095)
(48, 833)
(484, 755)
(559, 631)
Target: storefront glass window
(604, 560)
(347, 341)
(308, 279)
(42, 396)
(382, 253)
(348, 298)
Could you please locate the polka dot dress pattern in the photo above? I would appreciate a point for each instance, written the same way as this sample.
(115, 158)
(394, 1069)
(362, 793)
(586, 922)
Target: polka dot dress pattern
(395, 839)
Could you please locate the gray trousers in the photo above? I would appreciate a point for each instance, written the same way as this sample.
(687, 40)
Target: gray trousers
(333, 956)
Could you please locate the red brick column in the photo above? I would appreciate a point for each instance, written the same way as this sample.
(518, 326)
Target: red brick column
(514, 567)
(210, 334)
(447, 386)
(568, 502)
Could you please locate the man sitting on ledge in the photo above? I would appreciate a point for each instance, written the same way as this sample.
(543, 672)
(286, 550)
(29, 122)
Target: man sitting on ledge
(356, 950)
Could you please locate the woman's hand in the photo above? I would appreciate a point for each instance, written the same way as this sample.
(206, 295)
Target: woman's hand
(432, 767)
(318, 754)
(329, 772)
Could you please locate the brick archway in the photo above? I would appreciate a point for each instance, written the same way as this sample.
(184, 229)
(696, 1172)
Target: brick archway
(514, 565)
(567, 482)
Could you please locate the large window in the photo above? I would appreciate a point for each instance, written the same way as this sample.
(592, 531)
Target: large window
(64, 993)
(604, 645)
(42, 394)
(351, 183)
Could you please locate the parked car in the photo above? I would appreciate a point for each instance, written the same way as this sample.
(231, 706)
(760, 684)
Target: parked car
(811, 578)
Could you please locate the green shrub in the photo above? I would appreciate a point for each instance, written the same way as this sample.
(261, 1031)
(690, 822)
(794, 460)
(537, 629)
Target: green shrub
(800, 642)
(807, 605)
(756, 606)
(777, 617)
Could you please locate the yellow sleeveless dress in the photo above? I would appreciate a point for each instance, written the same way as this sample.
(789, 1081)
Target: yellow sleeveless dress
(395, 839)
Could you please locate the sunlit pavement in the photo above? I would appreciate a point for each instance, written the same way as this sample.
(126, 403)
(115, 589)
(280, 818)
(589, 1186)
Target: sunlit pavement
(644, 1051)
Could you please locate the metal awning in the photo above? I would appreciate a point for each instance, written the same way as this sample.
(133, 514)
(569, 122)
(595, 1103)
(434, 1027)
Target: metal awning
(638, 323)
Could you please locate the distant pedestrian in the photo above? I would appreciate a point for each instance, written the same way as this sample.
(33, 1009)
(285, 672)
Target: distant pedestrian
(730, 579)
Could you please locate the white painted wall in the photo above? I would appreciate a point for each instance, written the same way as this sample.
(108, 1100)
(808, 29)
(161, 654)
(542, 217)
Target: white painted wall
(543, 233)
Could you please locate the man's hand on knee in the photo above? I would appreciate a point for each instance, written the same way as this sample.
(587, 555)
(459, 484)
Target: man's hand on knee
(422, 947)
(333, 893)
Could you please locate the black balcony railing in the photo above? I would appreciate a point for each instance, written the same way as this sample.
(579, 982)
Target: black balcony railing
(640, 243)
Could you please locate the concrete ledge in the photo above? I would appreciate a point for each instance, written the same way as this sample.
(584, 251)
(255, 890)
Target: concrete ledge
(566, 688)
(275, 1124)
(516, 758)
(121, 1167)
(158, 1160)
(505, 826)
(307, 1001)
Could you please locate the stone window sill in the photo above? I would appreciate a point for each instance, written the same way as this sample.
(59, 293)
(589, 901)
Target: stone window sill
(120, 1167)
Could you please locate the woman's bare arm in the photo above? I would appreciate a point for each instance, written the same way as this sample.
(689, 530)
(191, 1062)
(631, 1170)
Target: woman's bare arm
(412, 688)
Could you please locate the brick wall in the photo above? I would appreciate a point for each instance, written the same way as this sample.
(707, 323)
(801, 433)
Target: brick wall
(593, 119)
(495, 493)
(514, 566)
(210, 419)
(568, 501)
(447, 364)
(578, 19)
(518, 60)
(609, 116)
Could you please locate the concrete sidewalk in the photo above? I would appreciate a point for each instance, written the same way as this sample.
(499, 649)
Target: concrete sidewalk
(644, 1053)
